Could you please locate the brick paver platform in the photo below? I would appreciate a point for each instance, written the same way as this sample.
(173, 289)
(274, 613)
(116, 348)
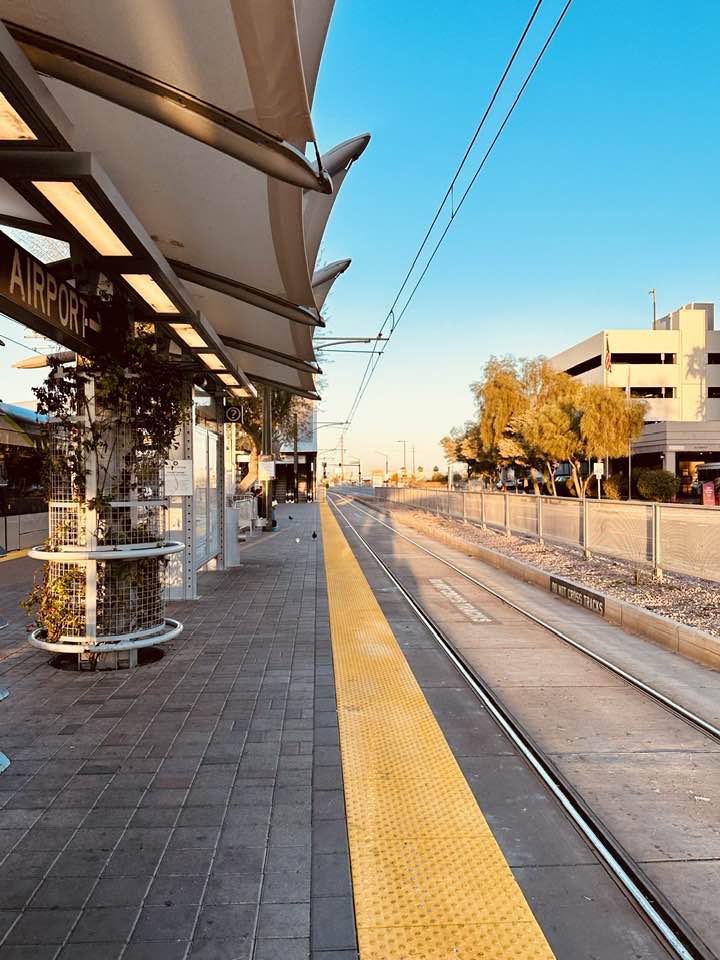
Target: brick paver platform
(190, 808)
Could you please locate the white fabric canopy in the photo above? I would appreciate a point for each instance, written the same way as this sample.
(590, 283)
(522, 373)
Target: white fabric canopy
(156, 91)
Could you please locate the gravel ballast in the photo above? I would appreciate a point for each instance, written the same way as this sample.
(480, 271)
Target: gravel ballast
(687, 600)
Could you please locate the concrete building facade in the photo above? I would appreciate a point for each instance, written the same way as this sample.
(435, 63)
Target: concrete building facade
(675, 368)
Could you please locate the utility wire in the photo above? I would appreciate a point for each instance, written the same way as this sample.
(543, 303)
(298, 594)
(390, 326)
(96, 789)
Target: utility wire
(375, 358)
(449, 190)
(390, 318)
(23, 345)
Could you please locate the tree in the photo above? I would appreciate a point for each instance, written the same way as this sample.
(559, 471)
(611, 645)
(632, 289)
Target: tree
(499, 396)
(531, 415)
(606, 420)
(452, 445)
(533, 436)
(660, 485)
(285, 407)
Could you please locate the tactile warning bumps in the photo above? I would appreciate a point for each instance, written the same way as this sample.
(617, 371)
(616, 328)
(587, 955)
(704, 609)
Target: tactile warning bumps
(429, 880)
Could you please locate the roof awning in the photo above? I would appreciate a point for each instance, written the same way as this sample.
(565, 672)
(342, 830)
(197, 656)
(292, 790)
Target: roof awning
(13, 435)
(199, 115)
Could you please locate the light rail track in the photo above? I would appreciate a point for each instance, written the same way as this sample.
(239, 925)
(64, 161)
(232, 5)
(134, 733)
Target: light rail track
(677, 709)
(666, 922)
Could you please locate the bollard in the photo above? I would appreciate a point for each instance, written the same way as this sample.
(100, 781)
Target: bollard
(656, 559)
(507, 514)
(541, 541)
(464, 517)
(586, 529)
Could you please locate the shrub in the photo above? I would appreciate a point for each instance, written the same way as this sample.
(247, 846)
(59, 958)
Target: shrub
(661, 485)
(615, 487)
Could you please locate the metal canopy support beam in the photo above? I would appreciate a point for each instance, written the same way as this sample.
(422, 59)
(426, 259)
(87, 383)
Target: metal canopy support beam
(33, 226)
(330, 272)
(170, 106)
(247, 294)
(267, 454)
(21, 167)
(297, 391)
(31, 98)
(306, 365)
(182, 577)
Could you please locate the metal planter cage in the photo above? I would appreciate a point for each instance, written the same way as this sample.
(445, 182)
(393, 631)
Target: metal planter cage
(107, 548)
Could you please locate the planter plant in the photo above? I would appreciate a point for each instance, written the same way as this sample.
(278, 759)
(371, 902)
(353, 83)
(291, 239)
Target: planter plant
(112, 421)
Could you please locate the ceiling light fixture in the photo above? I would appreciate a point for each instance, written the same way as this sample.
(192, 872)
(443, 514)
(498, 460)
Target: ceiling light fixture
(229, 379)
(12, 125)
(212, 361)
(72, 203)
(151, 292)
(188, 335)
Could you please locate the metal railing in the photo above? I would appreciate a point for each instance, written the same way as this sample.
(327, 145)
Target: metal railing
(681, 538)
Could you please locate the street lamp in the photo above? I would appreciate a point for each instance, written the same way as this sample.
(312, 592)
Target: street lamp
(404, 443)
(387, 471)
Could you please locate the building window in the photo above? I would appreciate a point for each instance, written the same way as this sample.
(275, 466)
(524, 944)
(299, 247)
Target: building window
(714, 393)
(714, 358)
(640, 358)
(653, 393)
(592, 364)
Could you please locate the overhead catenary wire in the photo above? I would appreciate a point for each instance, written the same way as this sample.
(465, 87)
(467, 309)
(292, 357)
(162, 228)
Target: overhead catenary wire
(449, 191)
(394, 319)
(18, 343)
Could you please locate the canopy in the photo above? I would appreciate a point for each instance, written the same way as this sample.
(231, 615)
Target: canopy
(199, 115)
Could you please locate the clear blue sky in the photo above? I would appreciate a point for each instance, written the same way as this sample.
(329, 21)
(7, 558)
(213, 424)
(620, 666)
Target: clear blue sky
(603, 185)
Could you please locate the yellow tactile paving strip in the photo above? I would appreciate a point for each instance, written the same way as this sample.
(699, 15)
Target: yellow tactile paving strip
(429, 880)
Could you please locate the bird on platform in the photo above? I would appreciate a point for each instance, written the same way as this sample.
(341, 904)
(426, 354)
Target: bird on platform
(314, 535)
(297, 539)
(289, 517)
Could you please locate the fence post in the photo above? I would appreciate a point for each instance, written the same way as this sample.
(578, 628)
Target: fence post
(541, 541)
(449, 496)
(482, 510)
(586, 528)
(464, 518)
(507, 514)
(656, 559)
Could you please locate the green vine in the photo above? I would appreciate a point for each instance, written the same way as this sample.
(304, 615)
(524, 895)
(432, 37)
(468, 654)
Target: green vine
(56, 600)
(127, 380)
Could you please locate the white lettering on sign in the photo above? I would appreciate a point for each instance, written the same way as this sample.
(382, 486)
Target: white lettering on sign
(463, 605)
(40, 292)
(578, 595)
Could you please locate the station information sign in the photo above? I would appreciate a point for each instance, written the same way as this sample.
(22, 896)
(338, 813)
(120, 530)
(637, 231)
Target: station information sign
(30, 293)
(179, 478)
(266, 468)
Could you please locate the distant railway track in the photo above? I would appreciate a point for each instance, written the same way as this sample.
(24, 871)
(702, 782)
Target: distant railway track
(658, 912)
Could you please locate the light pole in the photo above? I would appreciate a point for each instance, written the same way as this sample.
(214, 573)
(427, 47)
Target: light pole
(329, 423)
(387, 471)
(404, 443)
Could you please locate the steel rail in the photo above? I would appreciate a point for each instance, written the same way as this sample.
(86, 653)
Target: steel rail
(665, 921)
(677, 709)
